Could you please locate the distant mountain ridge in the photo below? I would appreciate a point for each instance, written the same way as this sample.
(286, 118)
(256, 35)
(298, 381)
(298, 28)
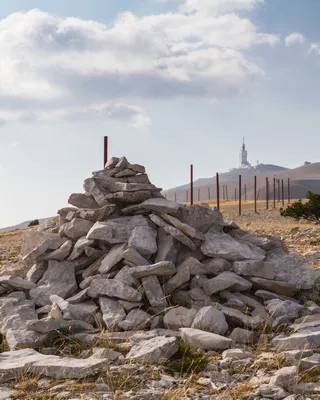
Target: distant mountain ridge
(23, 225)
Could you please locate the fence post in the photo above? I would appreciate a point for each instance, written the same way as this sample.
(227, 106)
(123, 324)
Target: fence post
(282, 190)
(105, 151)
(274, 192)
(278, 190)
(289, 194)
(255, 194)
(267, 193)
(191, 184)
(245, 192)
(240, 194)
(218, 190)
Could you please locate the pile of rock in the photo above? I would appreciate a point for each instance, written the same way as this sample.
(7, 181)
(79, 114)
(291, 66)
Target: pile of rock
(125, 259)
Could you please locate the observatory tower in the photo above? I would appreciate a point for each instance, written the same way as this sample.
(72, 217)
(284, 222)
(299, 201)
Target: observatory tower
(244, 156)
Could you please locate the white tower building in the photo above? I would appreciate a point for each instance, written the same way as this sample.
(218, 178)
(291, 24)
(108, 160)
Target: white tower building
(244, 156)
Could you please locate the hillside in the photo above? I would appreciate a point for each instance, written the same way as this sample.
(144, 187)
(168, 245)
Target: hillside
(302, 179)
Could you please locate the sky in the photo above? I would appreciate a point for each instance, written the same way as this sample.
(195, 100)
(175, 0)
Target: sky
(170, 82)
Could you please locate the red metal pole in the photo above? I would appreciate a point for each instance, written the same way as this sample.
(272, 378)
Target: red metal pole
(282, 190)
(274, 192)
(289, 194)
(278, 190)
(105, 151)
(218, 190)
(239, 194)
(267, 193)
(255, 194)
(191, 184)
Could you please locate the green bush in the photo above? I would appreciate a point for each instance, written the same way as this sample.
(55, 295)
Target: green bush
(309, 210)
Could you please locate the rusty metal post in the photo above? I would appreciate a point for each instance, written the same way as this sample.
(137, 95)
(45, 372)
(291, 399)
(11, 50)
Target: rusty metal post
(105, 151)
(267, 193)
(240, 194)
(245, 192)
(218, 191)
(191, 184)
(278, 190)
(255, 194)
(274, 192)
(282, 190)
(289, 194)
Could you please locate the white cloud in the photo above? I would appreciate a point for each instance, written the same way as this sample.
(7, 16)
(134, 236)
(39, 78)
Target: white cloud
(293, 39)
(315, 48)
(15, 143)
(54, 69)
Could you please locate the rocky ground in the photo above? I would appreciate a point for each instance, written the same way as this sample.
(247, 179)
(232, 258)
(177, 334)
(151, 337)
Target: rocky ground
(255, 345)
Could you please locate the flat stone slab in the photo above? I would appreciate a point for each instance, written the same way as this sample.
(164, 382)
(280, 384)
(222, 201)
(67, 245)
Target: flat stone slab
(224, 246)
(205, 340)
(80, 200)
(17, 282)
(112, 312)
(46, 325)
(144, 239)
(153, 351)
(163, 268)
(154, 292)
(201, 218)
(184, 228)
(282, 288)
(76, 228)
(174, 232)
(258, 269)
(58, 279)
(112, 258)
(133, 257)
(304, 340)
(113, 288)
(226, 280)
(310, 363)
(17, 363)
(155, 205)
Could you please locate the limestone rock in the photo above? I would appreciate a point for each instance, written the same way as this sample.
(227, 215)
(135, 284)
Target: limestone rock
(224, 246)
(205, 340)
(243, 336)
(179, 317)
(76, 228)
(258, 269)
(79, 247)
(156, 205)
(311, 363)
(153, 351)
(16, 282)
(135, 320)
(36, 271)
(144, 240)
(154, 292)
(201, 218)
(184, 228)
(306, 339)
(236, 317)
(211, 320)
(163, 268)
(282, 288)
(83, 312)
(226, 280)
(58, 255)
(17, 363)
(58, 279)
(176, 233)
(133, 257)
(113, 288)
(112, 311)
(46, 325)
(217, 265)
(168, 247)
(112, 258)
(83, 201)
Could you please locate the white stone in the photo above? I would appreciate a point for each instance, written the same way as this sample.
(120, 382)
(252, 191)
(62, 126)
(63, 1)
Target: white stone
(154, 292)
(76, 228)
(211, 320)
(112, 258)
(179, 317)
(259, 269)
(153, 351)
(224, 246)
(16, 282)
(144, 239)
(226, 280)
(112, 312)
(163, 268)
(113, 288)
(135, 320)
(204, 340)
(58, 279)
(79, 247)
